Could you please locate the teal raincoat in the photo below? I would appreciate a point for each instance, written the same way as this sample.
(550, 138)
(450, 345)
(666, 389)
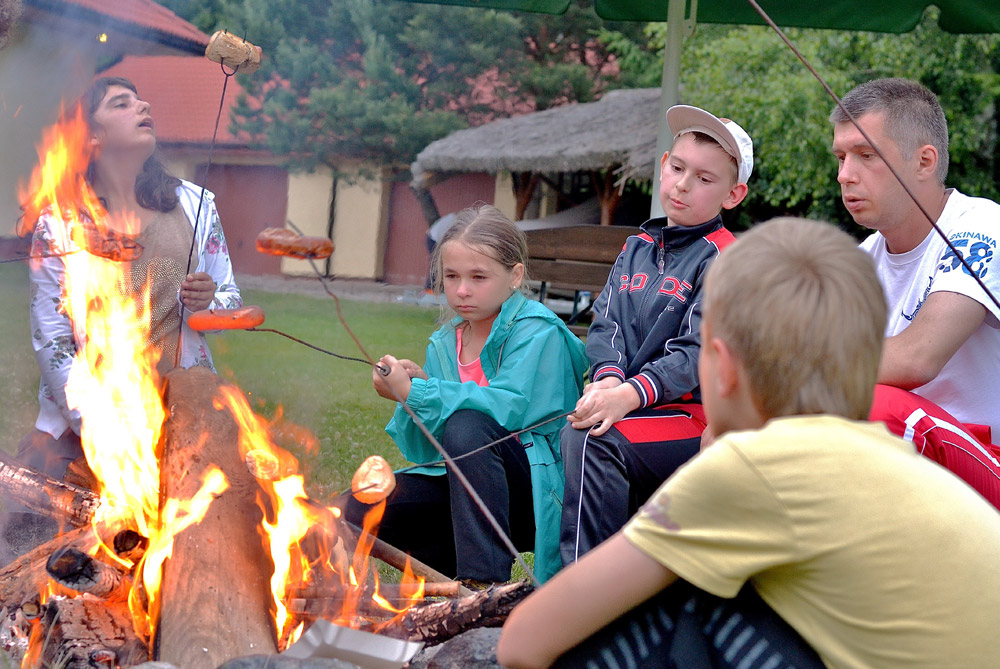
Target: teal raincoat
(535, 367)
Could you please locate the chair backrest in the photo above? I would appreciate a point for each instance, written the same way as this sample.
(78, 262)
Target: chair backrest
(577, 257)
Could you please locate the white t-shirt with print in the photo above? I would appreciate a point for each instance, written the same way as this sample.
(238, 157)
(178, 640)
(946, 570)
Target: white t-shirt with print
(968, 386)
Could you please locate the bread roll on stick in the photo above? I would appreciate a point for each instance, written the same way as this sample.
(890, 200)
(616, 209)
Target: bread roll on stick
(233, 52)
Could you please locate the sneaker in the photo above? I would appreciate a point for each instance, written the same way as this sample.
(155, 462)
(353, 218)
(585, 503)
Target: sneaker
(475, 585)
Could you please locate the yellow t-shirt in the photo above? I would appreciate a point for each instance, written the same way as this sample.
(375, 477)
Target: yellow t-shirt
(877, 556)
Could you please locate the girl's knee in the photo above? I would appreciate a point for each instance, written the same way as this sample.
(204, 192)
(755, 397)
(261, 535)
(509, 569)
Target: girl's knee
(467, 429)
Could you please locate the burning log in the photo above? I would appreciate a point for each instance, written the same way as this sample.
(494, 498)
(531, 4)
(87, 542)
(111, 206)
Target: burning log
(311, 602)
(440, 621)
(23, 579)
(130, 545)
(388, 590)
(84, 633)
(331, 608)
(46, 495)
(385, 552)
(394, 557)
(78, 571)
(204, 621)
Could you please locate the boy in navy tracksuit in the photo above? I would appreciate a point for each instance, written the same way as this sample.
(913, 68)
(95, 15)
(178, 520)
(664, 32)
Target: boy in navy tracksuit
(640, 418)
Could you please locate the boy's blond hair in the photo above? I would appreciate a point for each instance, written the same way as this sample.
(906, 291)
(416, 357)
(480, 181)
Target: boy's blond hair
(800, 306)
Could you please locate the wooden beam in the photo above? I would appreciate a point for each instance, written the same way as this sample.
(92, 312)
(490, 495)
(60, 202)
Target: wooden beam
(215, 597)
(524, 189)
(589, 243)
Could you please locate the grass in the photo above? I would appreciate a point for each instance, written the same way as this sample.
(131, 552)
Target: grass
(18, 371)
(333, 398)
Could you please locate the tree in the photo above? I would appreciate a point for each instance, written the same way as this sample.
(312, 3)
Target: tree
(204, 14)
(747, 73)
(379, 80)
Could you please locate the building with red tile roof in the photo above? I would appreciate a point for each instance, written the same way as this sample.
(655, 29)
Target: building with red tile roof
(126, 21)
(50, 56)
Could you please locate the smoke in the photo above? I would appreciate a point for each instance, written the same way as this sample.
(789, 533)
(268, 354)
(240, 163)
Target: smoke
(10, 12)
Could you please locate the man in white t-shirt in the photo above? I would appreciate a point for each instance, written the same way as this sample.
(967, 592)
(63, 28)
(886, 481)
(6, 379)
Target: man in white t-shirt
(943, 333)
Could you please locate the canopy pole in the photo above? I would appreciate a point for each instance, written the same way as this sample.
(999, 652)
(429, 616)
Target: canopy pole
(669, 87)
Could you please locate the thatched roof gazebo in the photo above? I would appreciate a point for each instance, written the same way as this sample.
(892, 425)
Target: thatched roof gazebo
(613, 140)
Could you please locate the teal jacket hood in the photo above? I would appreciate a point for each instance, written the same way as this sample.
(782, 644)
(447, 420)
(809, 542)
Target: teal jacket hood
(535, 367)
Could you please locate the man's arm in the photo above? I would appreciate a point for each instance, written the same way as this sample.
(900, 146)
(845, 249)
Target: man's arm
(918, 354)
(613, 578)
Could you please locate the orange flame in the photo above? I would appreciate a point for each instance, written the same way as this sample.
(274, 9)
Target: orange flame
(302, 537)
(113, 381)
(115, 386)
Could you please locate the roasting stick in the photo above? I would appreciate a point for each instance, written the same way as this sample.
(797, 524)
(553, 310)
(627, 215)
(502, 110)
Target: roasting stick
(895, 173)
(383, 551)
(226, 50)
(230, 319)
(448, 460)
(272, 245)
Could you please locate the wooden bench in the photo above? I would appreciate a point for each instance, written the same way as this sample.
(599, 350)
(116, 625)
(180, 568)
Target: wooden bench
(577, 258)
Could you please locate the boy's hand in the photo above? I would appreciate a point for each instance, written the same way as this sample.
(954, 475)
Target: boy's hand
(605, 406)
(396, 385)
(606, 382)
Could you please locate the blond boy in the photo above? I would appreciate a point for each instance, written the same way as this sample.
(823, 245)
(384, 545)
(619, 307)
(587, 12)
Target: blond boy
(812, 518)
(641, 417)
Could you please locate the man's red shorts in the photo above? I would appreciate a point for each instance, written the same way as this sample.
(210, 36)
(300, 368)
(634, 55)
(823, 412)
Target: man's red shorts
(964, 449)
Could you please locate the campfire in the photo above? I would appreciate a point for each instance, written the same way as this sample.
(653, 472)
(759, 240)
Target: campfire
(193, 540)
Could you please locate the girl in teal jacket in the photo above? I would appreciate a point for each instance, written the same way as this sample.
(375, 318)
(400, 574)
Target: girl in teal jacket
(503, 364)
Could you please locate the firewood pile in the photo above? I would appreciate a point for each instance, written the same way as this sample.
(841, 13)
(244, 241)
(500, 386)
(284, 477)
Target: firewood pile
(76, 600)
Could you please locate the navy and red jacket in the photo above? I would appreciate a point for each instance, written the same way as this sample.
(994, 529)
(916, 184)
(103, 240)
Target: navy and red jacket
(646, 320)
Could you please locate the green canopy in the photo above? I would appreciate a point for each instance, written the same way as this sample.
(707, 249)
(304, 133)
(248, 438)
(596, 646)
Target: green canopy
(892, 16)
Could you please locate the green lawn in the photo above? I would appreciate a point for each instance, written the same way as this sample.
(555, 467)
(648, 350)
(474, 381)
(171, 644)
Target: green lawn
(333, 398)
(18, 372)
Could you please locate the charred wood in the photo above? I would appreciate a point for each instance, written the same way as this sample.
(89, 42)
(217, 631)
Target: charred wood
(130, 545)
(23, 579)
(43, 494)
(388, 590)
(396, 558)
(79, 571)
(332, 608)
(440, 621)
(84, 632)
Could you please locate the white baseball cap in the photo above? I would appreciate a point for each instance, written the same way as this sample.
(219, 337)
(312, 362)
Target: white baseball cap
(734, 139)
